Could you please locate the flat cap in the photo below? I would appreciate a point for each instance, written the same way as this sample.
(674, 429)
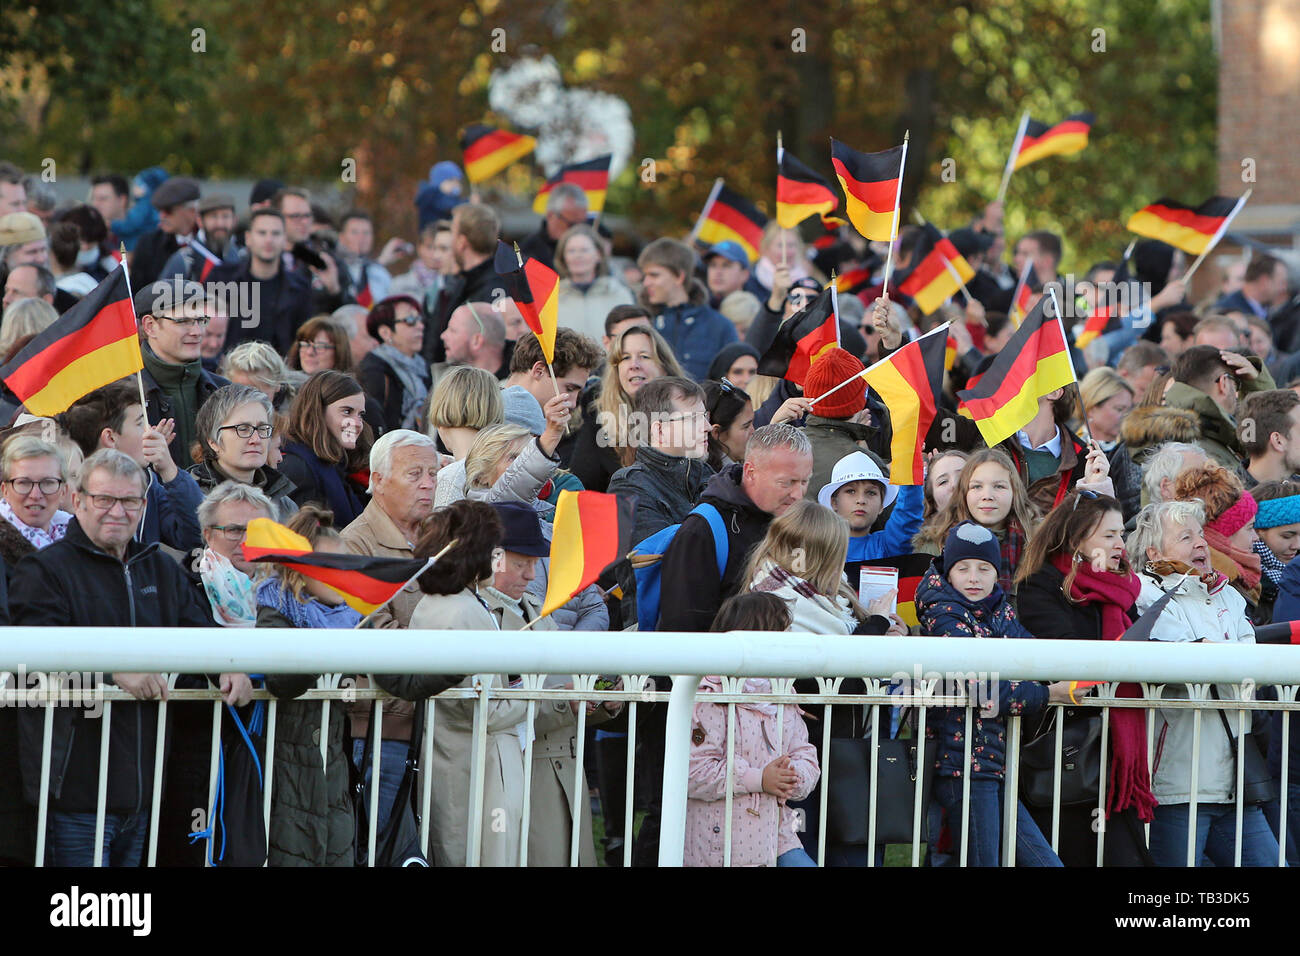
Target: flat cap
(173, 192)
(17, 228)
(214, 201)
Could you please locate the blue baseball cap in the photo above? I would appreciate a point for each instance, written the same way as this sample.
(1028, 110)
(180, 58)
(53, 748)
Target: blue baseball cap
(728, 250)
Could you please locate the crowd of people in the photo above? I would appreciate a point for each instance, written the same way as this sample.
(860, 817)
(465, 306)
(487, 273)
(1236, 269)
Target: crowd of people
(394, 413)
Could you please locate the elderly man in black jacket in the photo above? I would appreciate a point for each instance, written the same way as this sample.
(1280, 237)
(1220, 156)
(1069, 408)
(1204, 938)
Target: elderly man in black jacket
(670, 470)
(98, 575)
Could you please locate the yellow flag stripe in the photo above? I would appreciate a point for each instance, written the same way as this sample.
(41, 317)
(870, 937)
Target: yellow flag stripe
(94, 370)
(493, 163)
(899, 396)
(877, 226)
(567, 553)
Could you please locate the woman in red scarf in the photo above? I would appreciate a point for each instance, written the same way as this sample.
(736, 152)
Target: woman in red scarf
(1076, 584)
(1229, 530)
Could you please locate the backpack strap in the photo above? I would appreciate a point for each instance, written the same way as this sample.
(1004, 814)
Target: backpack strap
(721, 543)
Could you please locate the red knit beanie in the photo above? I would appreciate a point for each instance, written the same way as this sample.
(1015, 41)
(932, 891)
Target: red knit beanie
(832, 368)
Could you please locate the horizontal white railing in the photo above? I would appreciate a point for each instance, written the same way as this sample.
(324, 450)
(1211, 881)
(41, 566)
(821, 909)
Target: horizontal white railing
(686, 656)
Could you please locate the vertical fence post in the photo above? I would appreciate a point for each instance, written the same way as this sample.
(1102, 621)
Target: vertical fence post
(672, 819)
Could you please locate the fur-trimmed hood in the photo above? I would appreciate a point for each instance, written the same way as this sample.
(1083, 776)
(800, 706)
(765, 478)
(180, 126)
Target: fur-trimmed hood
(1150, 425)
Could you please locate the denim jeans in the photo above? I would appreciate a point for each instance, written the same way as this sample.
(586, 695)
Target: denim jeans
(1216, 832)
(1272, 813)
(985, 817)
(392, 764)
(72, 839)
(796, 857)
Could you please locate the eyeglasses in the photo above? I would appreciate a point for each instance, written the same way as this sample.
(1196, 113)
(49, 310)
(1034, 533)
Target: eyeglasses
(867, 328)
(1083, 493)
(801, 297)
(415, 318)
(1231, 378)
(297, 215)
(188, 322)
(231, 532)
(131, 503)
(245, 430)
(313, 347)
(24, 486)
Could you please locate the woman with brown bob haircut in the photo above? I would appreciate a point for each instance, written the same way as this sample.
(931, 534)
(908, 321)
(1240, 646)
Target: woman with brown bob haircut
(326, 442)
(326, 345)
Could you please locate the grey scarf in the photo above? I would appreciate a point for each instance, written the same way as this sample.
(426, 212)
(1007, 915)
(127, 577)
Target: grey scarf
(411, 371)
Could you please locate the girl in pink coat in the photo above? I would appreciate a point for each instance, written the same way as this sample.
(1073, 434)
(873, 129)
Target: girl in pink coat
(763, 828)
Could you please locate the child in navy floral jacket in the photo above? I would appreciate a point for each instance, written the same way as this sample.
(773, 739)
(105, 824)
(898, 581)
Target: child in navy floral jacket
(960, 597)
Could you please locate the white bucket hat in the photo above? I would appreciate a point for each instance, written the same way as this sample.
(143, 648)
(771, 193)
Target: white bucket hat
(856, 466)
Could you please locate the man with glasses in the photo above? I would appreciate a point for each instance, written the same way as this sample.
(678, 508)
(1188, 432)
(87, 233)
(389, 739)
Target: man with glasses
(174, 317)
(99, 576)
(566, 206)
(271, 301)
(1210, 382)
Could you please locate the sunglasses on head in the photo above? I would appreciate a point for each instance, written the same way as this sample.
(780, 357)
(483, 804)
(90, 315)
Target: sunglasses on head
(1080, 495)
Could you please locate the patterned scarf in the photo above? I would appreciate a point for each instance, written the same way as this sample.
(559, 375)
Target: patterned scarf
(1013, 546)
(1243, 567)
(1269, 564)
(411, 371)
(38, 538)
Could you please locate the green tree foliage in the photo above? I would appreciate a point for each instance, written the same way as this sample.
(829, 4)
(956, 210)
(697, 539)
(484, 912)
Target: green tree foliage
(292, 88)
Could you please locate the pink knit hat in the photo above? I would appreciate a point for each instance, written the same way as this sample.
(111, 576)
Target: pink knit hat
(1234, 518)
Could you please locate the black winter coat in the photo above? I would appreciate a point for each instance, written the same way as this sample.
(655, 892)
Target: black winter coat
(690, 591)
(72, 583)
(473, 285)
(276, 320)
(666, 489)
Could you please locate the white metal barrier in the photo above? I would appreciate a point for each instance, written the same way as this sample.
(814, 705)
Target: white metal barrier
(688, 656)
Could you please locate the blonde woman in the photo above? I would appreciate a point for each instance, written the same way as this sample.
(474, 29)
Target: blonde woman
(1107, 399)
(259, 366)
(604, 444)
(23, 319)
(587, 290)
(990, 493)
(465, 401)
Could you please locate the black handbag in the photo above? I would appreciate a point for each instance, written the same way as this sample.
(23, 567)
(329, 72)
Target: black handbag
(398, 842)
(1258, 785)
(849, 770)
(237, 827)
(1080, 763)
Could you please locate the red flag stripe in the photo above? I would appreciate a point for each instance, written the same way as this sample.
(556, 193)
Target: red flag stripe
(488, 144)
(878, 196)
(1188, 218)
(737, 222)
(1063, 128)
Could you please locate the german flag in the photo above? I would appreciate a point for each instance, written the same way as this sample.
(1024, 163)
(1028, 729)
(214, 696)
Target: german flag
(1094, 326)
(1023, 293)
(1040, 140)
(1184, 227)
(591, 531)
(853, 281)
(1036, 361)
(364, 582)
(536, 290)
(949, 354)
(870, 184)
(732, 216)
(592, 177)
(94, 343)
(800, 192)
(910, 382)
(938, 276)
(489, 150)
(801, 340)
(911, 569)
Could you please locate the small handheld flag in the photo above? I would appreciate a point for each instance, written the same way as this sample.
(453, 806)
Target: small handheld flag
(938, 276)
(730, 216)
(592, 177)
(871, 183)
(800, 192)
(366, 583)
(801, 340)
(1040, 140)
(1183, 227)
(1035, 362)
(92, 344)
(535, 289)
(910, 383)
(591, 531)
(489, 150)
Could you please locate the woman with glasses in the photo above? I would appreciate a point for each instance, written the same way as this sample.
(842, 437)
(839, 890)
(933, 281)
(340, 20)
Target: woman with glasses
(321, 343)
(1076, 584)
(587, 290)
(327, 443)
(395, 372)
(35, 474)
(235, 429)
(34, 479)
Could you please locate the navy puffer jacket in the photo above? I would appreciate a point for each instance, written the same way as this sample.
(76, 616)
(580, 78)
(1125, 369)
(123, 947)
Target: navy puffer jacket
(944, 611)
